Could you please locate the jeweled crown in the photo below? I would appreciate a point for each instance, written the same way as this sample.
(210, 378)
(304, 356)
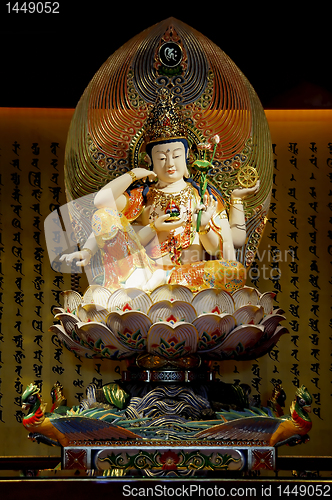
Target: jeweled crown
(164, 121)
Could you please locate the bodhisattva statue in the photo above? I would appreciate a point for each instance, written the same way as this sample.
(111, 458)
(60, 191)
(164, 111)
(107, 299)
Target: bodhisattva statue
(147, 231)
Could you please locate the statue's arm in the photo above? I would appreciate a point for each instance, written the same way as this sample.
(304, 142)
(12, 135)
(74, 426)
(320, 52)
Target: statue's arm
(210, 242)
(83, 256)
(237, 223)
(112, 194)
(237, 220)
(209, 239)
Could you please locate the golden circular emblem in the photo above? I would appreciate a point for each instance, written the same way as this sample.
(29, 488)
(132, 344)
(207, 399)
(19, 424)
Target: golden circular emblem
(247, 177)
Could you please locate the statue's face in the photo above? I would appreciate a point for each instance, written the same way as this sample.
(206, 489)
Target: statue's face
(169, 161)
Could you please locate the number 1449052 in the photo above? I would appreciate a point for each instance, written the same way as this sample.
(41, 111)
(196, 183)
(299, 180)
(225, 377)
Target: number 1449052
(33, 7)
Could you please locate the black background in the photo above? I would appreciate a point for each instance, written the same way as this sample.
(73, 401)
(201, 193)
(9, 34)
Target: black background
(284, 50)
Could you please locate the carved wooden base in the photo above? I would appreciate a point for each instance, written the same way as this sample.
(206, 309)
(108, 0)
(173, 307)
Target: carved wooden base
(179, 456)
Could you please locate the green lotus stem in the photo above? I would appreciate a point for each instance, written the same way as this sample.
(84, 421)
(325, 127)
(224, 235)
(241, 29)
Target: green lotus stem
(214, 152)
(203, 185)
(199, 216)
(203, 166)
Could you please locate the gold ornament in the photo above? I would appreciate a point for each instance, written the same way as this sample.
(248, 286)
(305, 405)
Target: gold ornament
(247, 177)
(132, 175)
(164, 121)
(162, 200)
(205, 230)
(89, 252)
(236, 201)
(153, 227)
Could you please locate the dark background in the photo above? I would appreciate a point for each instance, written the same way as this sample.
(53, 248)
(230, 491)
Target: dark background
(284, 51)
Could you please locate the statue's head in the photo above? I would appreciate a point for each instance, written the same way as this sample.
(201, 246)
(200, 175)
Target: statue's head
(168, 159)
(166, 144)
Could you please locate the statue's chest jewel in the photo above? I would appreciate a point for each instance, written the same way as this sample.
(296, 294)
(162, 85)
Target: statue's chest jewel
(172, 204)
(175, 205)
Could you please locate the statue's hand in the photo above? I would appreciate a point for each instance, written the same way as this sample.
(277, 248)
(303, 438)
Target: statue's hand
(245, 192)
(161, 225)
(140, 173)
(82, 257)
(209, 209)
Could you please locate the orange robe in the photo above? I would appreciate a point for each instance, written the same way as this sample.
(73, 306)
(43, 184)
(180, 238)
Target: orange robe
(122, 251)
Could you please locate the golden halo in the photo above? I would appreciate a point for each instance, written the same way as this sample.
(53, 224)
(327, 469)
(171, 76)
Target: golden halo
(247, 177)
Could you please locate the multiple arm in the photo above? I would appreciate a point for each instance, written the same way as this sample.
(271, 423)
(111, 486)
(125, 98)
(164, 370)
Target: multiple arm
(236, 214)
(233, 228)
(209, 239)
(110, 196)
(113, 192)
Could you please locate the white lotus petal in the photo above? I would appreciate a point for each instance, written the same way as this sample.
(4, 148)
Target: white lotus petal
(239, 340)
(99, 337)
(212, 329)
(70, 344)
(266, 300)
(130, 328)
(68, 321)
(249, 314)
(270, 323)
(58, 310)
(171, 293)
(172, 341)
(172, 311)
(267, 345)
(92, 312)
(278, 310)
(280, 330)
(71, 300)
(96, 294)
(244, 296)
(259, 315)
(213, 301)
(129, 299)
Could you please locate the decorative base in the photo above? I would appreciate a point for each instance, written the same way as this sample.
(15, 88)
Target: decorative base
(148, 427)
(170, 376)
(170, 412)
(168, 456)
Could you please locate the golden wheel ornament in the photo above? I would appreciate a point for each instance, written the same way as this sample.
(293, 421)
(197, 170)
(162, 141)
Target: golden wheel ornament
(247, 177)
